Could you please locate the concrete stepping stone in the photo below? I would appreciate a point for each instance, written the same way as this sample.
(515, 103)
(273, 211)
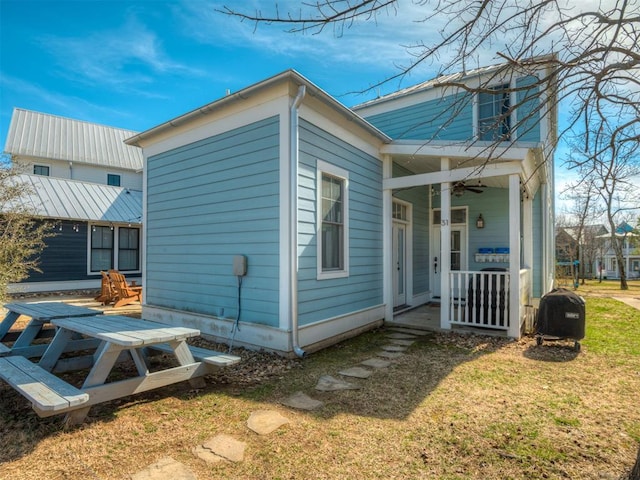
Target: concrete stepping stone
(357, 372)
(393, 348)
(390, 355)
(327, 383)
(207, 455)
(302, 401)
(376, 363)
(401, 336)
(263, 422)
(223, 446)
(165, 468)
(404, 343)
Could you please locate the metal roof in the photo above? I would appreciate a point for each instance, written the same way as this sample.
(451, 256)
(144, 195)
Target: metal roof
(63, 199)
(35, 134)
(452, 77)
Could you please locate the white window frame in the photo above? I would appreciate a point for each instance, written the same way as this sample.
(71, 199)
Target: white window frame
(116, 247)
(42, 165)
(512, 120)
(114, 175)
(329, 169)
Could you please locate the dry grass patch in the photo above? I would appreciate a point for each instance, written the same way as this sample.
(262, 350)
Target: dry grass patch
(454, 407)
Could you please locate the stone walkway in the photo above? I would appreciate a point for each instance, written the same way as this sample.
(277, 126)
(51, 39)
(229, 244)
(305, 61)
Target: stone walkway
(227, 448)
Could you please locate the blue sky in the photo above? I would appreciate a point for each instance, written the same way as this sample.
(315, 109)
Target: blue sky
(135, 64)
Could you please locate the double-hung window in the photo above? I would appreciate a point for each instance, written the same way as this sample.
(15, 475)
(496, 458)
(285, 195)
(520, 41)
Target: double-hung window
(101, 248)
(332, 221)
(494, 119)
(114, 247)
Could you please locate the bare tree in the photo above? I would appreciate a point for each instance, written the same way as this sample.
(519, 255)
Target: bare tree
(613, 168)
(583, 211)
(22, 236)
(590, 50)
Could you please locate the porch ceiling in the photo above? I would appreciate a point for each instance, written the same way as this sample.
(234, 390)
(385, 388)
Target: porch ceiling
(418, 165)
(481, 160)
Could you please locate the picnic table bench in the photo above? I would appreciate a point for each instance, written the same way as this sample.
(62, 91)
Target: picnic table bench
(41, 314)
(116, 335)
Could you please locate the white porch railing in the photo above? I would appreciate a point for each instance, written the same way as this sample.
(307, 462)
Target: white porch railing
(479, 299)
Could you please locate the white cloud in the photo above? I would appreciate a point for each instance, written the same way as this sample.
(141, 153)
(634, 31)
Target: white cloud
(124, 58)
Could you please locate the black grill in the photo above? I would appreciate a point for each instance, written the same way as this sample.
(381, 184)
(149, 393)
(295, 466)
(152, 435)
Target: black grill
(561, 316)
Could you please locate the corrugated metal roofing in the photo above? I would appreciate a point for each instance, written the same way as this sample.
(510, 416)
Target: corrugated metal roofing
(432, 83)
(69, 199)
(36, 134)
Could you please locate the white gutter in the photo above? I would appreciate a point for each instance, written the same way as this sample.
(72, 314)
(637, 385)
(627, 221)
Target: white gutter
(293, 216)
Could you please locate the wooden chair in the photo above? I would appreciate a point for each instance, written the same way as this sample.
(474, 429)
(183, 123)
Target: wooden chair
(107, 293)
(125, 294)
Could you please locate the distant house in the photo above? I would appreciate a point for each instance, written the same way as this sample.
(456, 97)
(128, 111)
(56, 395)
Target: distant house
(88, 183)
(345, 216)
(630, 239)
(587, 247)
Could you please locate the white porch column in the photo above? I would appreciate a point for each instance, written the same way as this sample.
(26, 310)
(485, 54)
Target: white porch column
(387, 242)
(527, 233)
(444, 262)
(514, 256)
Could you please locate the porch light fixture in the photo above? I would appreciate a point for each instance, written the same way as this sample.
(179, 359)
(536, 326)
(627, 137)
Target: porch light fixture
(480, 222)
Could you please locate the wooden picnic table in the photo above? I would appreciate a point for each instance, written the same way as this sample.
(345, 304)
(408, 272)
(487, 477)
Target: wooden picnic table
(41, 314)
(117, 336)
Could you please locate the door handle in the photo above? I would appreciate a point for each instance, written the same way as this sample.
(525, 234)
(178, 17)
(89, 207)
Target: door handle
(435, 264)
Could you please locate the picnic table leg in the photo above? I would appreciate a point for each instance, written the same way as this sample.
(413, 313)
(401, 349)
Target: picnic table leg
(106, 357)
(54, 350)
(29, 333)
(139, 361)
(185, 357)
(7, 322)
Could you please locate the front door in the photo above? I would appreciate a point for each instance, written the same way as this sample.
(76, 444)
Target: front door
(458, 254)
(399, 264)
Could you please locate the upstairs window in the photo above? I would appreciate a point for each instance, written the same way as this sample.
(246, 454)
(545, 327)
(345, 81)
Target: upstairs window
(41, 170)
(494, 120)
(333, 222)
(113, 180)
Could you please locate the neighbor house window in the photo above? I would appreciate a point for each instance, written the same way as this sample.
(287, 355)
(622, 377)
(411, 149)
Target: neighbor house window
(101, 248)
(41, 170)
(333, 226)
(114, 247)
(128, 248)
(113, 180)
(494, 120)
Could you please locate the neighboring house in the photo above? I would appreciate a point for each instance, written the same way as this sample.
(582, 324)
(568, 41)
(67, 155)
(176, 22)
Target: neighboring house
(587, 250)
(630, 253)
(345, 215)
(88, 183)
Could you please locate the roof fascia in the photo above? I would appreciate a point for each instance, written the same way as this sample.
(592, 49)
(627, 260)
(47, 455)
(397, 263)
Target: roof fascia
(246, 93)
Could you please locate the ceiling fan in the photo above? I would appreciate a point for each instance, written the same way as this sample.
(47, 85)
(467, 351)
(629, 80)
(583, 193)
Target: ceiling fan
(459, 188)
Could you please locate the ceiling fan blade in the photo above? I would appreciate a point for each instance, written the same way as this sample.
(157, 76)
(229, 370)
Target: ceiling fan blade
(473, 189)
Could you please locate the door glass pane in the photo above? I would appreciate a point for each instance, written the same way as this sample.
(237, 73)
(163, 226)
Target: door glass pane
(400, 260)
(455, 250)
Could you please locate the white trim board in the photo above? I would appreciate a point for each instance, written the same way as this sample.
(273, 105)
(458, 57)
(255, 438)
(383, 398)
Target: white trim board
(256, 336)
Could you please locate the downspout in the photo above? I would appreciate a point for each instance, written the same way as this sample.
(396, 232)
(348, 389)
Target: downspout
(293, 215)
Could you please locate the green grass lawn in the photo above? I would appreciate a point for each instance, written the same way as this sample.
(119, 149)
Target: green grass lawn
(453, 407)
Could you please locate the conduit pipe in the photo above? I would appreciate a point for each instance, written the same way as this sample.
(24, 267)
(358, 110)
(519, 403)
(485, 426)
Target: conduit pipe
(293, 217)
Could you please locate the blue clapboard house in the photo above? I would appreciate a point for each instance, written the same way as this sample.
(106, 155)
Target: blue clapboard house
(279, 218)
